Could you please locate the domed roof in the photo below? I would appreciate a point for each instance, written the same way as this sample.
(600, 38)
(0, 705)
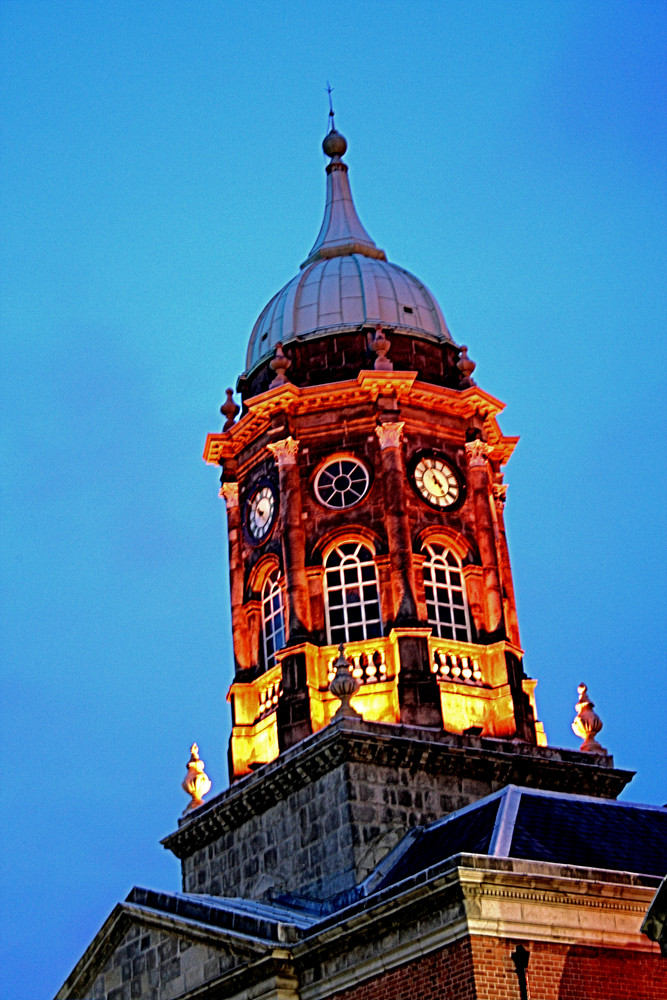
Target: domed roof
(346, 281)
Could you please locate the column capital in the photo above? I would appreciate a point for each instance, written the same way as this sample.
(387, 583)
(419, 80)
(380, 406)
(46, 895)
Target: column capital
(285, 451)
(230, 494)
(389, 435)
(478, 453)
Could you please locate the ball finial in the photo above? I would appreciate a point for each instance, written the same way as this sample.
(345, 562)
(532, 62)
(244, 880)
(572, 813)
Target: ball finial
(334, 144)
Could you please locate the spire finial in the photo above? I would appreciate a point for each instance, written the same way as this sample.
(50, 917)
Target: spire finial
(332, 126)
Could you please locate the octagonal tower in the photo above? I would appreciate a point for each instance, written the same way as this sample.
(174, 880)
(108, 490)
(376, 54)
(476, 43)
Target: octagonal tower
(364, 492)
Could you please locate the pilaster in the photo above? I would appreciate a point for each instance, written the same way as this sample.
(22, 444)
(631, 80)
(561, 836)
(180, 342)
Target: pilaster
(480, 487)
(240, 630)
(293, 539)
(397, 524)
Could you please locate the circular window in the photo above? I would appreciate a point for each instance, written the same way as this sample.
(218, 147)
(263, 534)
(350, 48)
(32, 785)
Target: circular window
(341, 482)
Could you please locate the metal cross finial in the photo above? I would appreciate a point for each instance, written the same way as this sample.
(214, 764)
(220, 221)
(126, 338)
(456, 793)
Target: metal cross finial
(331, 110)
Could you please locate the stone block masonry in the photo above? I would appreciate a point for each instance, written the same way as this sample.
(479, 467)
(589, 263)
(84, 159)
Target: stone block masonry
(320, 818)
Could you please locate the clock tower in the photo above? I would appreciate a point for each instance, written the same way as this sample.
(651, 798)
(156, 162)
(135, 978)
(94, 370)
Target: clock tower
(364, 490)
(395, 824)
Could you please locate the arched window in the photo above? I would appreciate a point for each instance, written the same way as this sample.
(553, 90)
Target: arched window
(351, 593)
(446, 605)
(273, 619)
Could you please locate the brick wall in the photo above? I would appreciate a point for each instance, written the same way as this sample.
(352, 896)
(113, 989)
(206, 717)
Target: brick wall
(442, 975)
(481, 968)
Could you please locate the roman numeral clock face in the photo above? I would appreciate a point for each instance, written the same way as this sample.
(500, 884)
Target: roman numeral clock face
(436, 482)
(261, 512)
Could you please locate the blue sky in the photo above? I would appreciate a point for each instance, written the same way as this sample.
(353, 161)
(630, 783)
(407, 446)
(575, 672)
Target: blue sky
(161, 178)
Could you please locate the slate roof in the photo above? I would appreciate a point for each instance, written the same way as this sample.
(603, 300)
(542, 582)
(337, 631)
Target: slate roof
(533, 825)
(271, 921)
(521, 823)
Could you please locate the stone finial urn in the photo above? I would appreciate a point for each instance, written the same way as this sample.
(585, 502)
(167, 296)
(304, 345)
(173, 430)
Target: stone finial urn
(196, 783)
(587, 724)
(229, 410)
(344, 685)
(380, 345)
(466, 366)
(279, 365)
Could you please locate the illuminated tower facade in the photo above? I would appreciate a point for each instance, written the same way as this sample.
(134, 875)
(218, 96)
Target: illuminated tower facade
(364, 489)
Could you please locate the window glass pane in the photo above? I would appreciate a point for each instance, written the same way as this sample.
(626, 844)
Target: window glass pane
(352, 608)
(444, 592)
(374, 630)
(273, 627)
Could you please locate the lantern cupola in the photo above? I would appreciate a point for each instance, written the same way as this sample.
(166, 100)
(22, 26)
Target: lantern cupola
(364, 491)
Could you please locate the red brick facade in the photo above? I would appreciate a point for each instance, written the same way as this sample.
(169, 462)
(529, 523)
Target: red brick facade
(481, 968)
(442, 974)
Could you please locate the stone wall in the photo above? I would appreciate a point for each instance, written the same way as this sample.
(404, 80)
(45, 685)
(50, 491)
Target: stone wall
(302, 842)
(318, 819)
(153, 965)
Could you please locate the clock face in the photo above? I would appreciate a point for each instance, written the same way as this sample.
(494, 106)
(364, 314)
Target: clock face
(341, 482)
(261, 512)
(436, 482)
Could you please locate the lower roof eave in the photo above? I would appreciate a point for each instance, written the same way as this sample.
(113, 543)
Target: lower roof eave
(484, 897)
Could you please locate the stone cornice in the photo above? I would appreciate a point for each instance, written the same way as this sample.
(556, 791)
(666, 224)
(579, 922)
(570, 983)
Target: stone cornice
(394, 746)
(289, 399)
